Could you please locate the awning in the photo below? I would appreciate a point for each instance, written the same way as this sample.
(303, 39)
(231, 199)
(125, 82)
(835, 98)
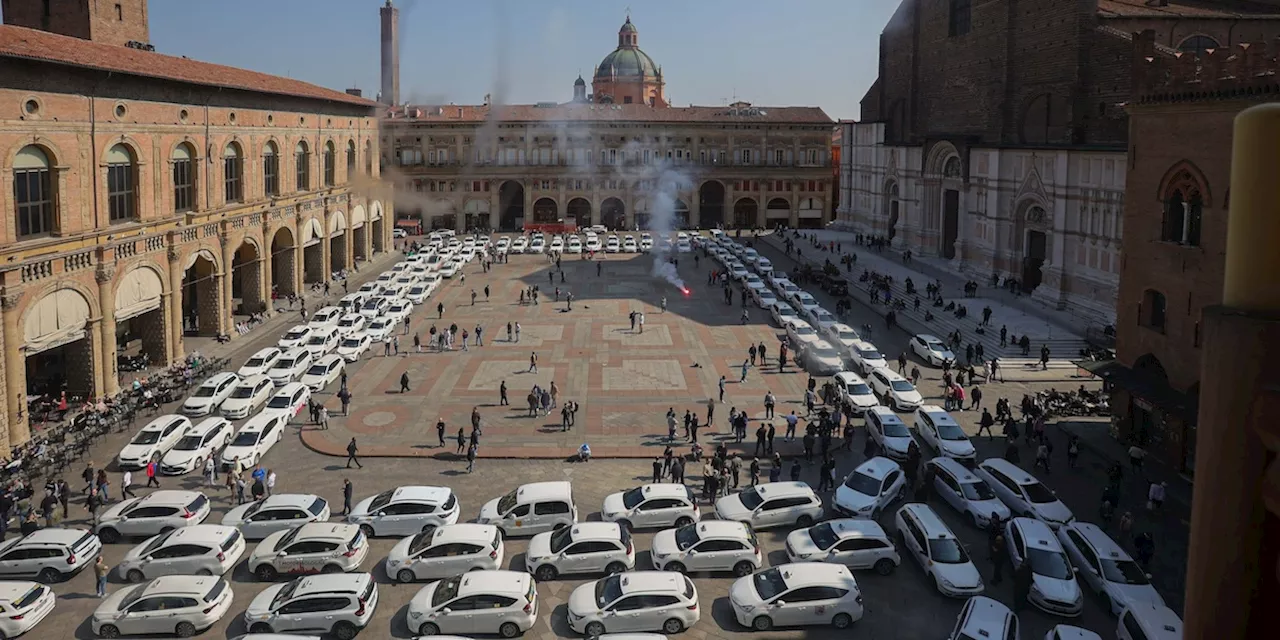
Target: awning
(1144, 386)
(337, 224)
(312, 232)
(357, 217)
(60, 317)
(138, 292)
(409, 224)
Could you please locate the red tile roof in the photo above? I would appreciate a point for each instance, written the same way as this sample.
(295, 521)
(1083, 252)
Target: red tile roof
(31, 44)
(578, 112)
(1183, 9)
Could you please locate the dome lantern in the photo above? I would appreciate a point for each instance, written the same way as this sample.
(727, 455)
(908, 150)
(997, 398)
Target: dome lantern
(627, 35)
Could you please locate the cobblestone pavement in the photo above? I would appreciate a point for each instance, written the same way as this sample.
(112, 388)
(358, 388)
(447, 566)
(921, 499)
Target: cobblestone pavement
(596, 362)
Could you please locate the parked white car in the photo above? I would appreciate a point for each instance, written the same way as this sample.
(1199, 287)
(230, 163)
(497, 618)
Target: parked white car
(764, 298)
(557, 245)
(205, 549)
(942, 557)
(23, 605)
(446, 551)
(771, 505)
(254, 439)
(593, 243)
(380, 328)
(652, 505)
(290, 365)
(418, 293)
(983, 617)
(930, 349)
(870, 488)
(1106, 567)
(629, 245)
(519, 245)
(339, 604)
(711, 545)
(325, 317)
(153, 441)
(247, 396)
(794, 595)
(156, 512)
(1053, 580)
(322, 341)
(857, 544)
(315, 547)
(889, 432)
(375, 307)
(351, 324)
(1023, 493)
(277, 512)
(209, 395)
(201, 443)
(634, 601)
(405, 511)
(1150, 621)
(288, 400)
(820, 358)
(896, 391)
(941, 431)
(295, 337)
(532, 508)
(400, 310)
(323, 372)
(854, 390)
(353, 347)
(260, 362)
(586, 547)
(446, 606)
(866, 357)
(52, 554)
(783, 314)
(171, 605)
(966, 492)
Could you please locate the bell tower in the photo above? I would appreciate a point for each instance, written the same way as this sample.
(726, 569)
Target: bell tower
(118, 22)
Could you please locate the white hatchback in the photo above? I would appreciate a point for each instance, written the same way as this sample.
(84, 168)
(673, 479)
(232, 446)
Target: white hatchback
(247, 396)
(857, 544)
(966, 492)
(322, 341)
(22, 606)
(325, 317)
(350, 324)
(924, 536)
(295, 337)
(896, 391)
(795, 595)
(634, 601)
(323, 372)
(869, 488)
(1023, 493)
(854, 390)
(153, 441)
(171, 605)
(156, 512)
(315, 547)
(405, 511)
(586, 547)
(504, 603)
(1106, 567)
(353, 347)
(866, 357)
(201, 443)
(772, 505)
(290, 365)
(1053, 580)
(712, 545)
(205, 549)
(446, 551)
(652, 505)
(260, 362)
(210, 394)
(941, 431)
(254, 439)
(277, 512)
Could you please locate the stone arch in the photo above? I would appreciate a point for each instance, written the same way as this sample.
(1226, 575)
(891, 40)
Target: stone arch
(545, 210)
(711, 196)
(57, 348)
(311, 233)
(201, 250)
(1184, 195)
(140, 313)
(1045, 118)
(613, 213)
(247, 277)
(680, 211)
(1186, 175)
(337, 223)
(337, 241)
(359, 234)
(511, 211)
(941, 152)
(1033, 229)
(46, 145)
(1148, 363)
(282, 259)
(201, 298)
(377, 229)
(1197, 43)
(129, 142)
(745, 211)
(579, 209)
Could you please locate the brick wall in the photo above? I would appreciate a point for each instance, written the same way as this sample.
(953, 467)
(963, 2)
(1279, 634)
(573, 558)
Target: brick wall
(1106, 86)
(118, 21)
(1171, 33)
(897, 73)
(98, 20)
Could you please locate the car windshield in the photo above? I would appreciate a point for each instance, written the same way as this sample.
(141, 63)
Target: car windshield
(416, 290)
(935, 345)
(863, 483)
(687, 536)
(802, 330)
(280, 401)
(297, 334)
(1051, 564)
(284, 364)
(351, 343)
(243, 391)
(381, 500)
(895, 428)
(751, 498)
(869, 354)
(769, 584)
(847, 335)
(825, 352)
(977, 491)
(288, 538)
(246, 439)
(947, 551)
(155, 543)
(286, 594)
(347, 322)
(786, 312)
(255, 362)
(608, 590)
(205, 391)
(901, 385)
(1038, 493)
(823, 536)
(507, 502)
(1123, 572)
(146, 437)
(633, 498)
(446, 590)
(806, 299)
(561, 539)
(316, 340)
(823, 317)
(372, 305)
(951, 432)
(188, 443)
(858, 389)
(317, 370)
(379, 324)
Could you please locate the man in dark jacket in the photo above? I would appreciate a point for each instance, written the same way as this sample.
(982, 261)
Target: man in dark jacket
(1021, 584)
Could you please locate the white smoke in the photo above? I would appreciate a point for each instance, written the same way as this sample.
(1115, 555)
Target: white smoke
(661, 183)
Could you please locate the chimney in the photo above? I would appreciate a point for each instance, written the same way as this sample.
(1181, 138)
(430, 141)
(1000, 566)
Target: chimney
(390, 53)
(354, 92)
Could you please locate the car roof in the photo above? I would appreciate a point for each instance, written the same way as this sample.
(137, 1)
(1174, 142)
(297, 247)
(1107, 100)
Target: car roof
(290, 388)
(326, 531)
(1068, 632)
(797, 323)
(186, 585)
(848, 377)
(295, 353)
(169, 496)
(928, 337)
(1013, 471)
(928, 518)
(199, 533)
(464, 532)
(353, 583)
(665, 490)
(252, 381)
(596, 531)
(1036, 534)
(888, 374)
(723, 529)
(326, 359)
(651, 581)
(52, 535)
(863, 345)
(878, 467)
(417, 493)
(260, 421)
(328, 309)
(952, 467)
(782, 489)
(298, 327)
(12, 590)
(163, 421)
(886, 414)
(553, 489)
(1102, 543)
(204, 427)
(218, 378)
(300, 500)
(265, 352)
(986, 618)
(816, 574)
(1156, 618)
(494, 581)
(938, 414)
(855, 528)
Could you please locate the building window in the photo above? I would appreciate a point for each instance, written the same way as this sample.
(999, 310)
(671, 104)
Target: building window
(961, 11)
(33, 193)
(778, 156)
(746, 156)
(270, 170)
(1183, 217)
(351, 160)
(368, 157)
(232, 174)
(330, 164)
(122, 201)
(184, 179)
(1152, 313)
(302, 165)
(626, 100)
(1197, 44)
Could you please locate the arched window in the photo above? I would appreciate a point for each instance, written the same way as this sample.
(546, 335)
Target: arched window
(1183, 210)
(330, 164)
(270, 170)
(184, 178)
(1197, 44)
(1152, 313)
(368, 157)
(33, 193)
(232, 173)
(351, 160)
(122, 181)
(302, 163)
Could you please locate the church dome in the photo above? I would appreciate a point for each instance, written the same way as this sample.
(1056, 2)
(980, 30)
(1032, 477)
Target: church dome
(626, 62)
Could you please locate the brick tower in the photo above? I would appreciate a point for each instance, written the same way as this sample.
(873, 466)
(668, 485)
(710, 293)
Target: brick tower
(119, 22)
(390, 54)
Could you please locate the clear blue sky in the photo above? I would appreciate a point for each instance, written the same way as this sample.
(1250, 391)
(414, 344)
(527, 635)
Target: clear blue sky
(768, 52)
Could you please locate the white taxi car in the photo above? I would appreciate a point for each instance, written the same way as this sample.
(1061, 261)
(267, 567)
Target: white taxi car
(772, 505)
(889, 432)
(574, 245)
(519, 245)
(153, 441)
(315, 547)
(537, 245)
(795, 595)
(399, 310)
(842, 335)
(205, 549)
(866, 357)
(350, 324)
(380, 328)
(201, 443)
(446, 551)
(260, 362)
(254, 439)
(983, 617)
(277, 512)
(652, 505)
(941, 431)
(325, 317)
(322, 341)
(930, 349)
(22, 606)
(854, 390)
(1053, 580)
(942, 557)
(895, 390)
(374, 307)
(557, 245)
(629, 245)
(857, 544)
(711, 545)
(210, 394)
(51, 554)
(532, 508)
(764, 298)
(966, 492)
(405, 511)
(323, 372)
(869, 488)
(783, 314)
(353, 347)
(1023, 493)
(634, 601)
(586, 547)
(295, 337)
(339, 604)
(290, 365)
(178, 605)
(247, 396)
(153, 513)
(289, 400)
(820, 358)
(1106, 567)
(454, 605)
(593, 243)
(612, 245)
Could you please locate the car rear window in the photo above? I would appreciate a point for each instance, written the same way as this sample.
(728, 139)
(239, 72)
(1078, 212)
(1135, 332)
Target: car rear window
(450, 503)
(688, 589)
(317, 506)
(367, 592)
(218, 588)
(231, 540)
(29, 598)
(199, 503)
(84, 542)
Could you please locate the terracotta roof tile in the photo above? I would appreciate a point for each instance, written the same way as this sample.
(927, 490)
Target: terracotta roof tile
(31, 44)
(577, 112)
(1182, 9)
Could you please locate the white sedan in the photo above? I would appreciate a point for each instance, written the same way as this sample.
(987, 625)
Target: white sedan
(451, 268)
(247, 396)
(519, 245)
(575, 245)
(629, 245)
(593, 243)
(351, 323)
(290, 366)
(380, 329)
(869, 488)
(323, 373)
(295, 337)
(612, 245)
(352, 347)
(260, 362)
(557, 245)
(400, 310)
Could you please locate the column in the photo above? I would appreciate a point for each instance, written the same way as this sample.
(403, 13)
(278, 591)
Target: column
(225, 310)
(299, 263)
(106, 301)
(174, 304)
(100, 368)
(15, 375)
(326, 246)
(266, 277)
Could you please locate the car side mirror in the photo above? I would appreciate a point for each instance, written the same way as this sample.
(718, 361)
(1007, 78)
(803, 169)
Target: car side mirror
(446, 610)
(1147, 575)
(1077, 570)
(780, 603)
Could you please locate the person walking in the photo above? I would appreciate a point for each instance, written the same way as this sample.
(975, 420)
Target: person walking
(657, 469)
(462, 441)
(471, 458)
(722, 381)
(440, 311)
(440, 432)
(1155, 496)
(996, 551)
(404, 382)
(486, 293)
(1073, 451)
(902, 363)
(324, 417)
(1136, 455)
(344, 396)
(533, 362)
(100, 572)
(352, 450)
(126, 481)
(769, 403)
(271, 481)
(769, 440)
(347, 492)
(502, 395)
(744, 372)
(985, 423)
(152, 479)
(1022, 578)
(761, 434)
(792, 421)
(751, 351)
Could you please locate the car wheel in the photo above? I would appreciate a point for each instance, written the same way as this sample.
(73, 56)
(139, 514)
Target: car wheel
(261, 627)
(109, 631)
(266, 573)
(546, 573)
(185, 630)
(625, 524)
(109, 535)
(344, 630)
(405, 576)
(509, 630)
(49, 575)
(743, 568)
(672, 626)
(675, 566)
(841, 621)
(429, 629)
(683, 521)
(762, 623)
(331, 568)
(135, 576)
(366, 530)
(805, 520)
(594, 629)
(885, 566)
(615, 567)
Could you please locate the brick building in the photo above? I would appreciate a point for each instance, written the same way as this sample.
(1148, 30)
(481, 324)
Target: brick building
(149, 197)
(995, 135)
(598, 159)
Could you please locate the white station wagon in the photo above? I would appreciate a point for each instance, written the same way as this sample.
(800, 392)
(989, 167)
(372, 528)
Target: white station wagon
(586, 547)
(634, 601)
(713, 545)
(201, 443)
(857, 544)
(1023, 493)
(504, 603)
(869, 488)
(447, 551)
(156, 512)
(652, 505)
(277, 512)
(772, 505)
(178, 605)
(795, 595)
(153, 441)
(209, 395)
(315, 547)
(205, 549)
(52, 554)
(260, 362)
(405, 511)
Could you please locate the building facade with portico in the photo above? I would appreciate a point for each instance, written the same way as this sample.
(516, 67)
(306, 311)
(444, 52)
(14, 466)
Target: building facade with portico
(149, 198)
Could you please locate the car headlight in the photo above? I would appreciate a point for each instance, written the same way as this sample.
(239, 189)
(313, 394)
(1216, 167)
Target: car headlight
(747, 608)
(1036, 589)
(415, 614)
(866, 508)
(946, 583)
(535, 560)
(392, 563)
